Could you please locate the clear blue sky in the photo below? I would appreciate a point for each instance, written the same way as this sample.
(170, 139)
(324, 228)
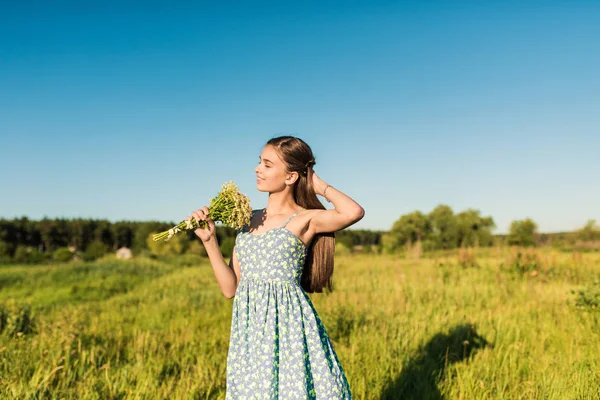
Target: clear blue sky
(137, 113)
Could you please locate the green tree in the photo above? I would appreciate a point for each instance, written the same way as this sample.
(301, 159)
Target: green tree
(26, 232)
(123, 233)
(589, 232)
(522, 232)
(411, 228)
(104, 233)
(473, 229)
(5, 252)
(54, 233)
(345, 240)
(444, 227)
(82, 233)
(8, 234)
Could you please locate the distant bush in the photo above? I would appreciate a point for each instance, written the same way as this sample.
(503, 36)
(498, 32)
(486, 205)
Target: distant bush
(522, 233)
(5, 252)
(95, 250)
(28, 255)
(20, 255)
(590, 232)
(62, 254)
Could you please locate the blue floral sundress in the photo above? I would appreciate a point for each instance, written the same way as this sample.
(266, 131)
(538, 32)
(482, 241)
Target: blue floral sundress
(278, 348)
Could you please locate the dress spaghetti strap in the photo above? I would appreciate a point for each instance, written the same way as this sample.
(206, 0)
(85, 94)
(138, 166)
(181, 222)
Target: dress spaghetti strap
(292, 216)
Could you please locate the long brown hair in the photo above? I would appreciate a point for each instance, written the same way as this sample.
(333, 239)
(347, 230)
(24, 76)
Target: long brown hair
(318, 267)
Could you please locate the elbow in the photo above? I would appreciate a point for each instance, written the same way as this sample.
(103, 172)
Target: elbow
(355, 215)
(229, 295)
(358, 214)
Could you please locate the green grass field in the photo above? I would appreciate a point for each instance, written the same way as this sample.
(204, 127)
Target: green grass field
(488, 325)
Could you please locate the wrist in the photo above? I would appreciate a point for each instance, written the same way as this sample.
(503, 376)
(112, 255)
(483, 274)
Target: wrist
(208, 241)
(326, 192)
(321, 187)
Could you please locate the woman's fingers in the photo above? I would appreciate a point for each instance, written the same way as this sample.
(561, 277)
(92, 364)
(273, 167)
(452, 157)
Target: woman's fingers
(205, 211)
(200, 214)
(196, 216)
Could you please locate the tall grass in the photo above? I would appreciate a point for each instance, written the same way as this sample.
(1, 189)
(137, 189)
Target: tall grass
(483, 324)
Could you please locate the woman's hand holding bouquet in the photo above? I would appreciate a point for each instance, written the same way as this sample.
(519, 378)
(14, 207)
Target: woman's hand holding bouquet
(209, 232)
(230, 207)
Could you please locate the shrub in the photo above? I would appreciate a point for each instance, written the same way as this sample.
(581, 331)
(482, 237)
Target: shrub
(20, 255)
(95, 250)
(36, 257)
(28, 255)
(522, 233)
(62, 254)
(5, 252)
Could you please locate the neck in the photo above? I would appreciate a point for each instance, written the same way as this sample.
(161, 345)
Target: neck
(281, 203)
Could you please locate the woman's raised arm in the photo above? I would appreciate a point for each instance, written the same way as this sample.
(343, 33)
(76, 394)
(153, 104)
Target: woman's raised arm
(347, 211)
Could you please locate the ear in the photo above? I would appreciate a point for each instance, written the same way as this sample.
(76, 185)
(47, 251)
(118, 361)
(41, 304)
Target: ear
(292, 177)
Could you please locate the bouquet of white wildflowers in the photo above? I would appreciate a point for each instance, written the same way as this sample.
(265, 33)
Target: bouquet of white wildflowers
(230, 207)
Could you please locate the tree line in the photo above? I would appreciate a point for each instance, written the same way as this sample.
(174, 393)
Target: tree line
(443, 229)
(25, 240)
(31, 241)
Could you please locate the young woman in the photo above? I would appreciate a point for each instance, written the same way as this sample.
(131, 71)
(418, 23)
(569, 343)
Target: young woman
(278, 346)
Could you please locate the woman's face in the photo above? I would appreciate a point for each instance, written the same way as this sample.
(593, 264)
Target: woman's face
(271, 173)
